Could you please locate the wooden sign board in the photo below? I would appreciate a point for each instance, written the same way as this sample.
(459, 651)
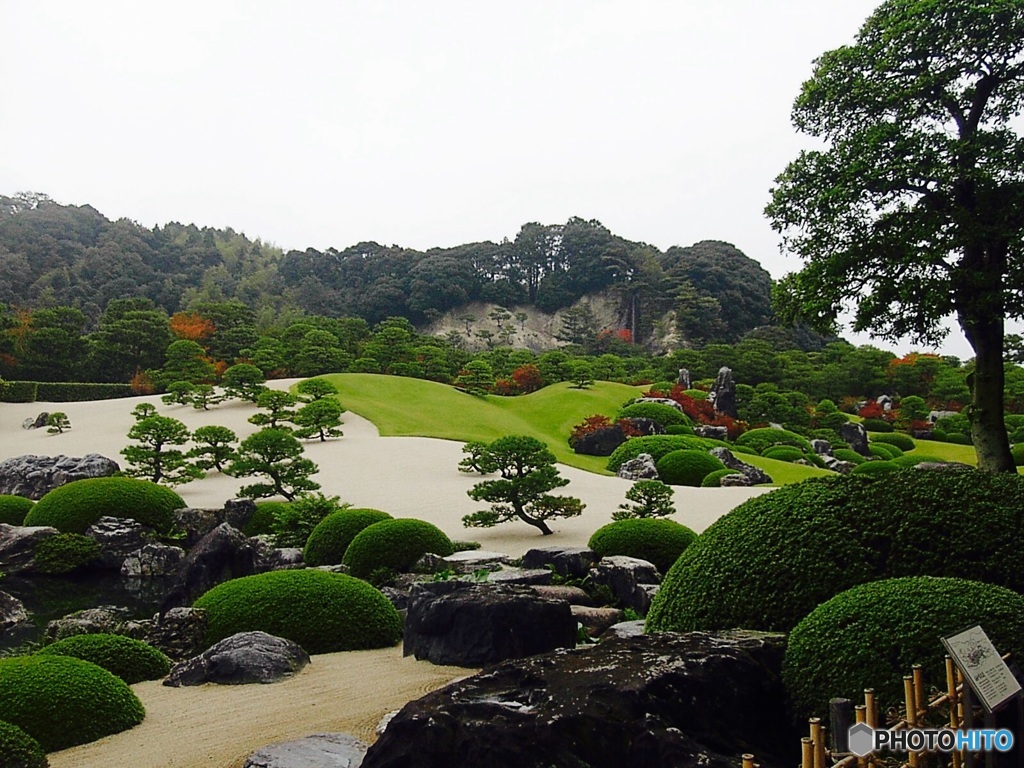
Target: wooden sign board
(982, 667)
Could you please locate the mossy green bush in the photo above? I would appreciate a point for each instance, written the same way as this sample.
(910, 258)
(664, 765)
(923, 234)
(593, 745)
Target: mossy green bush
(877, 425)
(767, 563)
(64, 553)
(663, 414)
(18, 749)
(847, 454)
(657, 446)
(61, 702)
(321, 611)
(327, 543)
(876, 468)
(1017, 451)
(687, 467)
(262, 521)
(394, 544)
(74, 507)
(884, 451)
(871, 635)
(129, 659)
(900, 440)
(652, 539)
(788, 453)
(679, 429)
(743, 449)
(714, 479)
(764, 438)
(696, 394)
(13, 509)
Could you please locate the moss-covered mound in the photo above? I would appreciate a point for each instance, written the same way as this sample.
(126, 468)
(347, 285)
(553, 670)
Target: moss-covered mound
(871, 635)
(74, 507)
(771, 560)
(876, 468)
(131, 660)
(394, 544)
(327, 543)
(665, 415)
(61, 702)
(764, 438)
(657, 446)
(714, 479)
(846, 454)
(18, 749)
(656, 541)
(321, 611)
(14, 508)
(687, 467)
(787, 453)
(900, 440)
(65, 552)
(884, 451)
(263, 518)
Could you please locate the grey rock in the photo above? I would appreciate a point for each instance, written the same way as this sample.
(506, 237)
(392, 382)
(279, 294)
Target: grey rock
(625, 629)
(595, 621)
(735, 481)
(37, 422)
(571, 595)
(180, 633)
(270, 558)
(944, 466)
(320, 750)
(683, 380)
(196, 523)
(243, 658)
(723, 393)
(398, 597)
(836, 465)
(661, 401)
(570, 562)
(822, 447)
(104, 619)
(18, 545)
(12, 614)
(521, 576)
(238, 512)
(473, 560)
(223, 554)
(153, 561)
(625, 576)
(715, 433)
(35, 476)
(754, 475)
(640, 468)
(118, 538)
(855, 434)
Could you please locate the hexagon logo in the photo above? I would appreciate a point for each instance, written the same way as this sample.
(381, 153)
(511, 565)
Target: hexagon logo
(861, 739)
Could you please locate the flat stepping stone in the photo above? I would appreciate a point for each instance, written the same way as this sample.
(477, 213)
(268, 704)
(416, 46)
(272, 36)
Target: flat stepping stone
(320, 750)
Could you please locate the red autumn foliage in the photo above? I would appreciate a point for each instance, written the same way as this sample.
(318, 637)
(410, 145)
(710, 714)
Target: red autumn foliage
(629, 429)
(920, 425)
(588, 425)
(191, 326)
(871, 410)
(735, 427)
(141, 384)
(506, 387)
(699, 410)
(527, 378)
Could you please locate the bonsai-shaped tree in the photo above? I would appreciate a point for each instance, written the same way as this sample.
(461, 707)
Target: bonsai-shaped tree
(214, 447)
(476, 378)
(476, 451)
(312, 390)
(279, 409)
(204, 395)
(152, 459)
(276, 454)
(651, 498)
(244, 381)
(528, 472)
(179, 393)
(143, 411)
(581, 373)
(320, 418)
(294, 522)
(57, 422)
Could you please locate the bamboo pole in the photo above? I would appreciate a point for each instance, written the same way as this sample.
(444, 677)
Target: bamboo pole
(869, 703)
(748, 760)
(818, 740)
(908, 696)
(807, 753)
(954, 703)
(920, 700)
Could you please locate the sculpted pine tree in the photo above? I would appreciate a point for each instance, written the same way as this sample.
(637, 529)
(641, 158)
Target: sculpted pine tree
(320, 418)
(276, 455)
(528, 472)
(279, 409)
(914, 209)
(152, 458)
(215, 447)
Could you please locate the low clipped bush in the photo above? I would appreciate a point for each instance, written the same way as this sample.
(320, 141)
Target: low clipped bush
(877, 425)
(847, 454)
(915, 459)
(18, 749)
(657, 446)
(876, 468)
(743, 449)
(327, 543)
(884, 451)
(263, 518)
(788, 453)
(767, 563)
(900, 440)
(1017, 451)
(910, 613)
(655, 540)
(714, 479)
(687, 467)
(129, 659)
(74, 507)
(321, 611)
(663, 414)
(61, 702)
(13, 509)
(394, 544)
(64, 553)
(764, 438)
(679, 429)
(696, 394)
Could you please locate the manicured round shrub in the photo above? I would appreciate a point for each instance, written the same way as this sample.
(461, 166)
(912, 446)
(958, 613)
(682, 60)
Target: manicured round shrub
(955, 438)
(788, 453)
(679, 429)
(714, 479)
(74, 507)
(654, 540)
(394, 544)
(884, 451)
(900, 440)
(659, 412)
(696, 394)
(657, 446)
(61, 702)
(262, 521)
(743, 449)
(131, 660)
(765, 437)
(847, 454)
(14, 508)
(876, 468)
(65, 553)
(836, 651)
(327, 543)
(1017, 451)
(321, 611)
(767, 563)
(877, 425)
(18, 749)
(687, 467)
(915, 459)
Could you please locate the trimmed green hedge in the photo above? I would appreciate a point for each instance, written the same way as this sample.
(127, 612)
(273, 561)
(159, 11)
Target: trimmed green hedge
(654, 540)
(687, 467)
(321, 611)
(394, 544)
(665, 415)
(18, 749)
(876, 468)
(714, 479)
(1017, 451)
(764, 438)
(131, 660)
(787, 453)
(871, 635)
(767, 563)
(847, 454)
(74, 507)
(14, 508)
(877, 425)
(327, 543)
(884, 451)
(60, 391)
(657, 446)
(17, 391)
(901, 441)
(61, 702)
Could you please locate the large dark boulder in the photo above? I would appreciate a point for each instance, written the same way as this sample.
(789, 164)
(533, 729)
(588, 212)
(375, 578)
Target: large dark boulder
(248, 657)
(630, 579)
(600, 442)
(855, 434)
(469, 625)
(571, 562)
(668, 699)
(117, 538)
(223, 554)
(723, 393)
(18, 546)
(180, 633)
(35, 476)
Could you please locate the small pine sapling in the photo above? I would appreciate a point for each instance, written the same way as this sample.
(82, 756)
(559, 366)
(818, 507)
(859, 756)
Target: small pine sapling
(651, 498)
(57, 423)
(279, 409)
(215, 447)
(319, 418)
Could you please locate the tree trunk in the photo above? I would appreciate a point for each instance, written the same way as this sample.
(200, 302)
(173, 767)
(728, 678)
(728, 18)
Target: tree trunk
(536, 522)
(988, 430)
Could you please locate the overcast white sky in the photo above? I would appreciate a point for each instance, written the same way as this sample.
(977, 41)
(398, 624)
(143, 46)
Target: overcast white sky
(320, 124)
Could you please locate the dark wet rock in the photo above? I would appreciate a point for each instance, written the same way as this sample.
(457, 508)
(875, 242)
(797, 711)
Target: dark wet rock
(626, 577)
(18, 546)
(180, 633)
(13, 615)
(117, 538)
(571, 595)
(753, 475)
(723, 393)
(633, 628)
(243, 658)
(321, 750)
(223, 554)
(596, 620)
(821, 447)
(570, 562)
(473, 560)
(520, 576)
(855, 434)
(35, 476)
(715, 433)
(153, 561)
